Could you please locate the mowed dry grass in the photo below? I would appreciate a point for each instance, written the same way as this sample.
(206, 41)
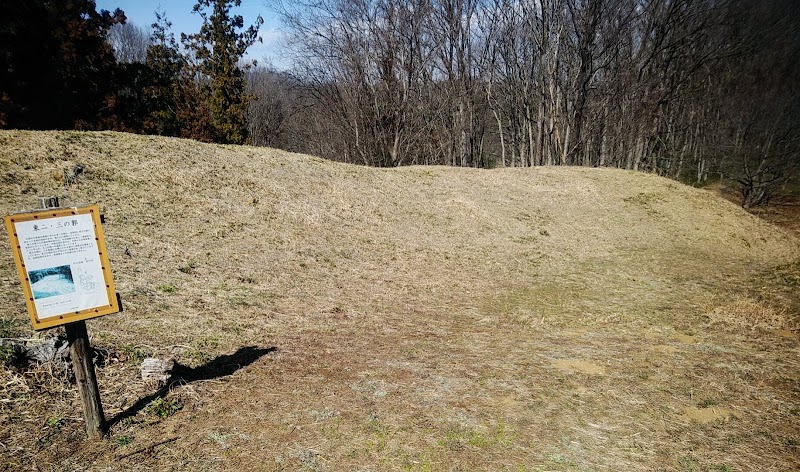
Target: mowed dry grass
(422, 318)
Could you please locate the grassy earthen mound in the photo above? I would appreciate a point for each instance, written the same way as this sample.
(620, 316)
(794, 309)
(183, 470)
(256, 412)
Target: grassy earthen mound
(335, 317)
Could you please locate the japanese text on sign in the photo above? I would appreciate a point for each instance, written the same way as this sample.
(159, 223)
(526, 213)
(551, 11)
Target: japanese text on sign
(62, 264)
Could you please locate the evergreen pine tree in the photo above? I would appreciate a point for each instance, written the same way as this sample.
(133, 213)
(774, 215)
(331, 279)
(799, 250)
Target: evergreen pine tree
(165, 64)
(217, 50)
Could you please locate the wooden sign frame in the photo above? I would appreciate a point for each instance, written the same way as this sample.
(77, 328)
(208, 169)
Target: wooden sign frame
(69, 317)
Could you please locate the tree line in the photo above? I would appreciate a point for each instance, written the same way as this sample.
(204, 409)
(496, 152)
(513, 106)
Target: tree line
(689, 89)
(67, 66)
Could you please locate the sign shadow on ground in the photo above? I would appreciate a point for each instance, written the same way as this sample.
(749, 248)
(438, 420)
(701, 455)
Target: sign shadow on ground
(220, 366)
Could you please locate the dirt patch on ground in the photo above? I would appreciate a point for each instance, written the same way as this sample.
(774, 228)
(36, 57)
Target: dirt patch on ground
(666, 349)
(335, 317)
(785, 333)
(686, 338)
(574, 365)
(707, 415)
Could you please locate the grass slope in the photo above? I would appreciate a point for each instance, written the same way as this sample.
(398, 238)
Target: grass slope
(422, 318)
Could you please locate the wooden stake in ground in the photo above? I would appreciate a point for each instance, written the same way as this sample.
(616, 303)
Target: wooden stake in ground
(81, 355)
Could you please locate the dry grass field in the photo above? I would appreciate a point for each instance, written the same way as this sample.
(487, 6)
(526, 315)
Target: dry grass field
(332, 317)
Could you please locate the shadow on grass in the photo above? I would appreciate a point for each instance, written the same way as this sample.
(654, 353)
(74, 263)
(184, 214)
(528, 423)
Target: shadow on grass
(220, 366)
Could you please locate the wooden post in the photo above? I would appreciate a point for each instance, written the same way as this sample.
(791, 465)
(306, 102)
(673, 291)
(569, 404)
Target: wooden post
(81, 354)
(48, 202)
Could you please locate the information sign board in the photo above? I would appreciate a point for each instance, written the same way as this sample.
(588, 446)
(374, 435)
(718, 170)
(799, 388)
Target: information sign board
(63, 265)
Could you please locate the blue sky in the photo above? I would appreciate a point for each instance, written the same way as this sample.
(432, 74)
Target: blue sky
(179, 12)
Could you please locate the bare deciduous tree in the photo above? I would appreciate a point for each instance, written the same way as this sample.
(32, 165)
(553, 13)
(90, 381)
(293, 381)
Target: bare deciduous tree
(684, 88)
(129, 41)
